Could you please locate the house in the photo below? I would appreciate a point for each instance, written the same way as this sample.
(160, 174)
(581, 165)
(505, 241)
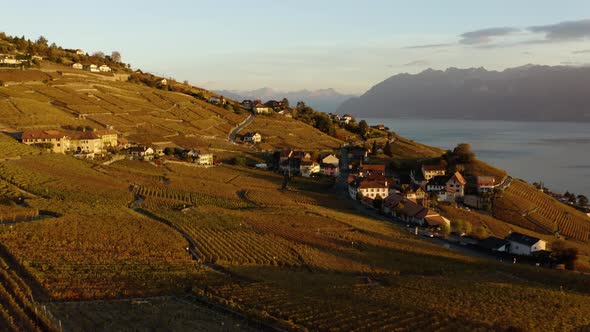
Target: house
(494, 244)
(109, 137)
(274, 104)
(411, 212)
(93, 68)
(436, 184)
(456, 184)
(84, 143)
(261, 109)
(521, 244)
(252, 138)
(485, 183)
(433, 219)
(104, 69)
(204, 159)
(142, 153)
(346, 118)
(163, 81)
(329, 170)
(430, 171)
(290, 160)
(247, 103)
(214, 100)
(372, 188)
(367, 170)
(79, 52)
(308, 167)
(77, 66)
(379, 126)
(391, 202)
(56, 141)
(331, 159)
(9, 60)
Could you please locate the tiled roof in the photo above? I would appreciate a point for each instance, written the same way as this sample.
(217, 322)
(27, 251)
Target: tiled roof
(434, 167)
(457, 176)
(42, 134)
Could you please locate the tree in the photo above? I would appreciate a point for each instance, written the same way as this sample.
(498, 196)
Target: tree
(285, 102)
(374, 148)
(98, 54)
(363, 128)
(239, 161)
(116, 56)
(562, 253)
(582, 200)
(42, 41)
(463, 153)
(480, 232)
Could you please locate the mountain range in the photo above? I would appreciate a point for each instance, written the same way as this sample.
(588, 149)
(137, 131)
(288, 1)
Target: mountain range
(526, 93)
(325, 100)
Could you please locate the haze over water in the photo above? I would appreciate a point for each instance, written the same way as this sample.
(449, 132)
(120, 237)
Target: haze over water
(557, 153)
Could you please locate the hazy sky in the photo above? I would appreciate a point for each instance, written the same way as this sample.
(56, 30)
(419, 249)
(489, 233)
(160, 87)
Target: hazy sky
(296, 44)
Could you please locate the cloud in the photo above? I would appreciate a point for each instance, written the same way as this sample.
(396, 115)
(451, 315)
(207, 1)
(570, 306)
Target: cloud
(485, 36)
(417, 63)
(581, 51)
(428, 46)
(563, 31)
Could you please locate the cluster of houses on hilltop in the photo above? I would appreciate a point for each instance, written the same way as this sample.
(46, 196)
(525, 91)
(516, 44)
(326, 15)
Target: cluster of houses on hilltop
(149, 153)
(258, 107)
(83, 144)
(92, 68)
(295, 162)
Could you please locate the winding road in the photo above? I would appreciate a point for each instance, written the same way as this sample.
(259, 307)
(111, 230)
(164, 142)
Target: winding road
(236, 130)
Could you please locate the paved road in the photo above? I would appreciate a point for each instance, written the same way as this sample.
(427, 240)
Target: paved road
(235, 131)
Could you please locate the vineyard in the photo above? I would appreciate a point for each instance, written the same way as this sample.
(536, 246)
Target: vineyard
(17, 312)
(523, 205)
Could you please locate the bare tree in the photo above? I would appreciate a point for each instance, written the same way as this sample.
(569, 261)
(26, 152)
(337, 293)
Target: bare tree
(98, 54)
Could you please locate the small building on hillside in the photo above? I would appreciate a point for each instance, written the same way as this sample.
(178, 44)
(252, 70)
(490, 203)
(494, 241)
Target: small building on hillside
(372, 188)
(141, 153)
(261, 109)
(247, 103)
(368, 170)
(104, 69)
(54, 140)
(521, 244)
(494, 244)
(346, 118)
(485, 183)
(252, 138)
(84, 144)
(163, 82)
(93, 68)
(109, 137)
(77, 66)
(331, 159)
(430, 171)
(205, 159)
(435, 220)
(329, 170)
(308, 167)
(214, 100)
(80, 52)
(456, 183)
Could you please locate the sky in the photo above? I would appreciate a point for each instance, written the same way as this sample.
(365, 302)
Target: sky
(301, 44)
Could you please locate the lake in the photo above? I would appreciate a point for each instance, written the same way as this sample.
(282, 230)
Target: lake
(557, 153)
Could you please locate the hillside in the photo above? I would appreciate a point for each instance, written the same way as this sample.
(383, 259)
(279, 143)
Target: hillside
(528, 93)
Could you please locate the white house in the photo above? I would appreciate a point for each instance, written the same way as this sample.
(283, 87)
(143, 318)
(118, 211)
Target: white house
(430, 171)
(331, 159)
(261, 108)
(372, 189)
(252, 138)
(104, 69)
(204, 159)
(494, 244)
(77, 66)
(456, 184)
(80, 52)
(163, 81)
(485, 183)
(346, 118)
(93, 68)
(308, 167)
(142, 153)
(520, 244)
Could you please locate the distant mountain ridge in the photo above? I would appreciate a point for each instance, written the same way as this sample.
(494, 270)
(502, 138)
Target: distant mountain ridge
(325, 100)
(526, 93)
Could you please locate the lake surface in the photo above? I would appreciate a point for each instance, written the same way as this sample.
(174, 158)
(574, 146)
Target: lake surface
(557, 153)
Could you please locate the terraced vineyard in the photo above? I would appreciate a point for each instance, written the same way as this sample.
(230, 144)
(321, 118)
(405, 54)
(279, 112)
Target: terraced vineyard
(17, 312)
(523, 205)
